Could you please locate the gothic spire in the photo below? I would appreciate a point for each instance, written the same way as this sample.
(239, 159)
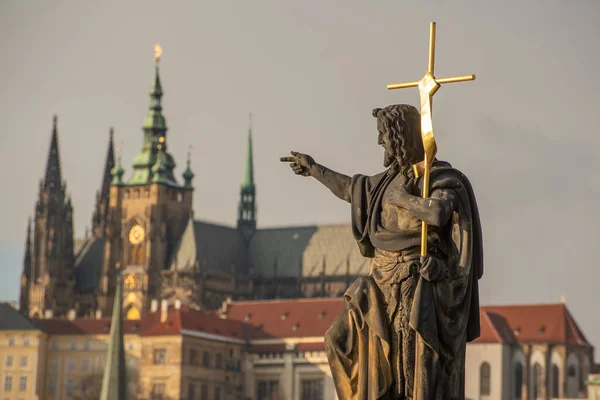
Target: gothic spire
(53, 177)
(114, 380)
(27, 258)
(248, 181)
(247, 204)
(109, 164)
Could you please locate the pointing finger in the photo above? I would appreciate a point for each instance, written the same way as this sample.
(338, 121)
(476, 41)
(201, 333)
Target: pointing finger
(287, 159)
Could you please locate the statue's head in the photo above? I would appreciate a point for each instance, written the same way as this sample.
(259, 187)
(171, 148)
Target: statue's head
(399, 129)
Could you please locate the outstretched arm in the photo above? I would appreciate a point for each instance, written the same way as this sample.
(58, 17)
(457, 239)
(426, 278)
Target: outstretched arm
(305, 165)
(435, 210)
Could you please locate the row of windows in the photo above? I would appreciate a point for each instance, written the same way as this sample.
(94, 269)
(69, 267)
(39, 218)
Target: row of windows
(85, 346)
(8, 383)
(310, 389)
(195, 392)
(537, 380)
(23, 361)
(160, 357)
(12, 341)
(145, 193)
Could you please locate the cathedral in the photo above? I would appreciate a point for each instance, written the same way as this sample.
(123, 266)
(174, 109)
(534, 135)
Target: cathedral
(143, 228)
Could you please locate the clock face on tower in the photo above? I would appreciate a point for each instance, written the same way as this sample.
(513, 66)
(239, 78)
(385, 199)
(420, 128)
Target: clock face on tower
(136, 235)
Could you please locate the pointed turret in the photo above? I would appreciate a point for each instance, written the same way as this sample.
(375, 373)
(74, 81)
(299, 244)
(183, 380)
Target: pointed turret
(53, 177)
(117, 171)
(27, 257)
(109, 164)
(103, 195)
(188, 175)
(114, 380)
(247, 204)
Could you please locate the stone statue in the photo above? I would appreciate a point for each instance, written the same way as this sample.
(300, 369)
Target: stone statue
(404, 329)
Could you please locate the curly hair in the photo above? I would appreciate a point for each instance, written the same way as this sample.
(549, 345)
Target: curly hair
(403, 123)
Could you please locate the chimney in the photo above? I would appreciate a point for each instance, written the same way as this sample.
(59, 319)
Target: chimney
(48, 314)
(177, 304)
(164, 307)
(98, 314)
(154, 305)
(71, 315)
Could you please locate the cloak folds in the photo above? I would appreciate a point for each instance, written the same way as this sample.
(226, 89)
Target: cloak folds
(444, 314)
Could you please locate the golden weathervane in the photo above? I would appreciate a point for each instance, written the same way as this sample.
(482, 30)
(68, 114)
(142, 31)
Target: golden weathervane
(157, 52)
(428, 85)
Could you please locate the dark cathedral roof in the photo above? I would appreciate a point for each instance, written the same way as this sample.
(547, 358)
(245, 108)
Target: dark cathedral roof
(89, 257)
(307, 251)
(287, 252)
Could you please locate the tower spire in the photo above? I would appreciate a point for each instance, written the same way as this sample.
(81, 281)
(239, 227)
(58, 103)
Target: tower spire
(53, 177)
(247, 204)
(114, 380)
(103, 195)
(27, 258)
(155, 139)
(109, 164)
(248, 181)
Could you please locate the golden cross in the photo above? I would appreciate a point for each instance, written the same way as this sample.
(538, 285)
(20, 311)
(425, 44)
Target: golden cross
(428, 86)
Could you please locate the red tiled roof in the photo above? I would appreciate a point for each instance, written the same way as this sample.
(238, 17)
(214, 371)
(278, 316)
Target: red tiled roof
(200, 321)
(286, 318)
(538, 323)
(494, 329)
(81, 326)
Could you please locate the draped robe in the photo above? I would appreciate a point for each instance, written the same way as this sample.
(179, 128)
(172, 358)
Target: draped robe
(444, 311)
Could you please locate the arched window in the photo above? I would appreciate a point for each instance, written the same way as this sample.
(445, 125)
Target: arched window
(136, 254)
(518, 380)
(484, 379)
(555, 380)
(537, 381)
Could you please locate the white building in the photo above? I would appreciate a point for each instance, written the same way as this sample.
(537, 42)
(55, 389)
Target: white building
(528, 352)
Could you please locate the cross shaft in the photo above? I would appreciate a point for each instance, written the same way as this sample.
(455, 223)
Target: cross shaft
(428, 86)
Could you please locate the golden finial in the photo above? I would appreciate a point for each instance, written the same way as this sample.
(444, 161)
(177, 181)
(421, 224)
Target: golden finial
(189, 153)
(157, 52)
(120, 148)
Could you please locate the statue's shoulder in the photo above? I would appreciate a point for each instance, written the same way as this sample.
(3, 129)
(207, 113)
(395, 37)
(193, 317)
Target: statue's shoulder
(444, 174)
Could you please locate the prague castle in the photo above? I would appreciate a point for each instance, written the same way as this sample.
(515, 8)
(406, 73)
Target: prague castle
(143, 227)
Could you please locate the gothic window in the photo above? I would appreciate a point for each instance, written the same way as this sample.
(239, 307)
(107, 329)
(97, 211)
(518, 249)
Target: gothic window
(484, 379)
(555, 380)
(136, 254)
(537, 381)
(518, 380)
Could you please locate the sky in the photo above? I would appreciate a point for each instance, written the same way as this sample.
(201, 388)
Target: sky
(525, 131)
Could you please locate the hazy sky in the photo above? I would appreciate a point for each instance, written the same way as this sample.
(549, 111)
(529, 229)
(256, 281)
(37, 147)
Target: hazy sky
(525, 132)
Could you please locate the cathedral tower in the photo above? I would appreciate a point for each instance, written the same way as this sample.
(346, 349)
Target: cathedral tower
(47, 278)
(247, 206)
(146, 216)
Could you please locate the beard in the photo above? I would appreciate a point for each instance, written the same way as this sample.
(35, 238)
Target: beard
(388, 158)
